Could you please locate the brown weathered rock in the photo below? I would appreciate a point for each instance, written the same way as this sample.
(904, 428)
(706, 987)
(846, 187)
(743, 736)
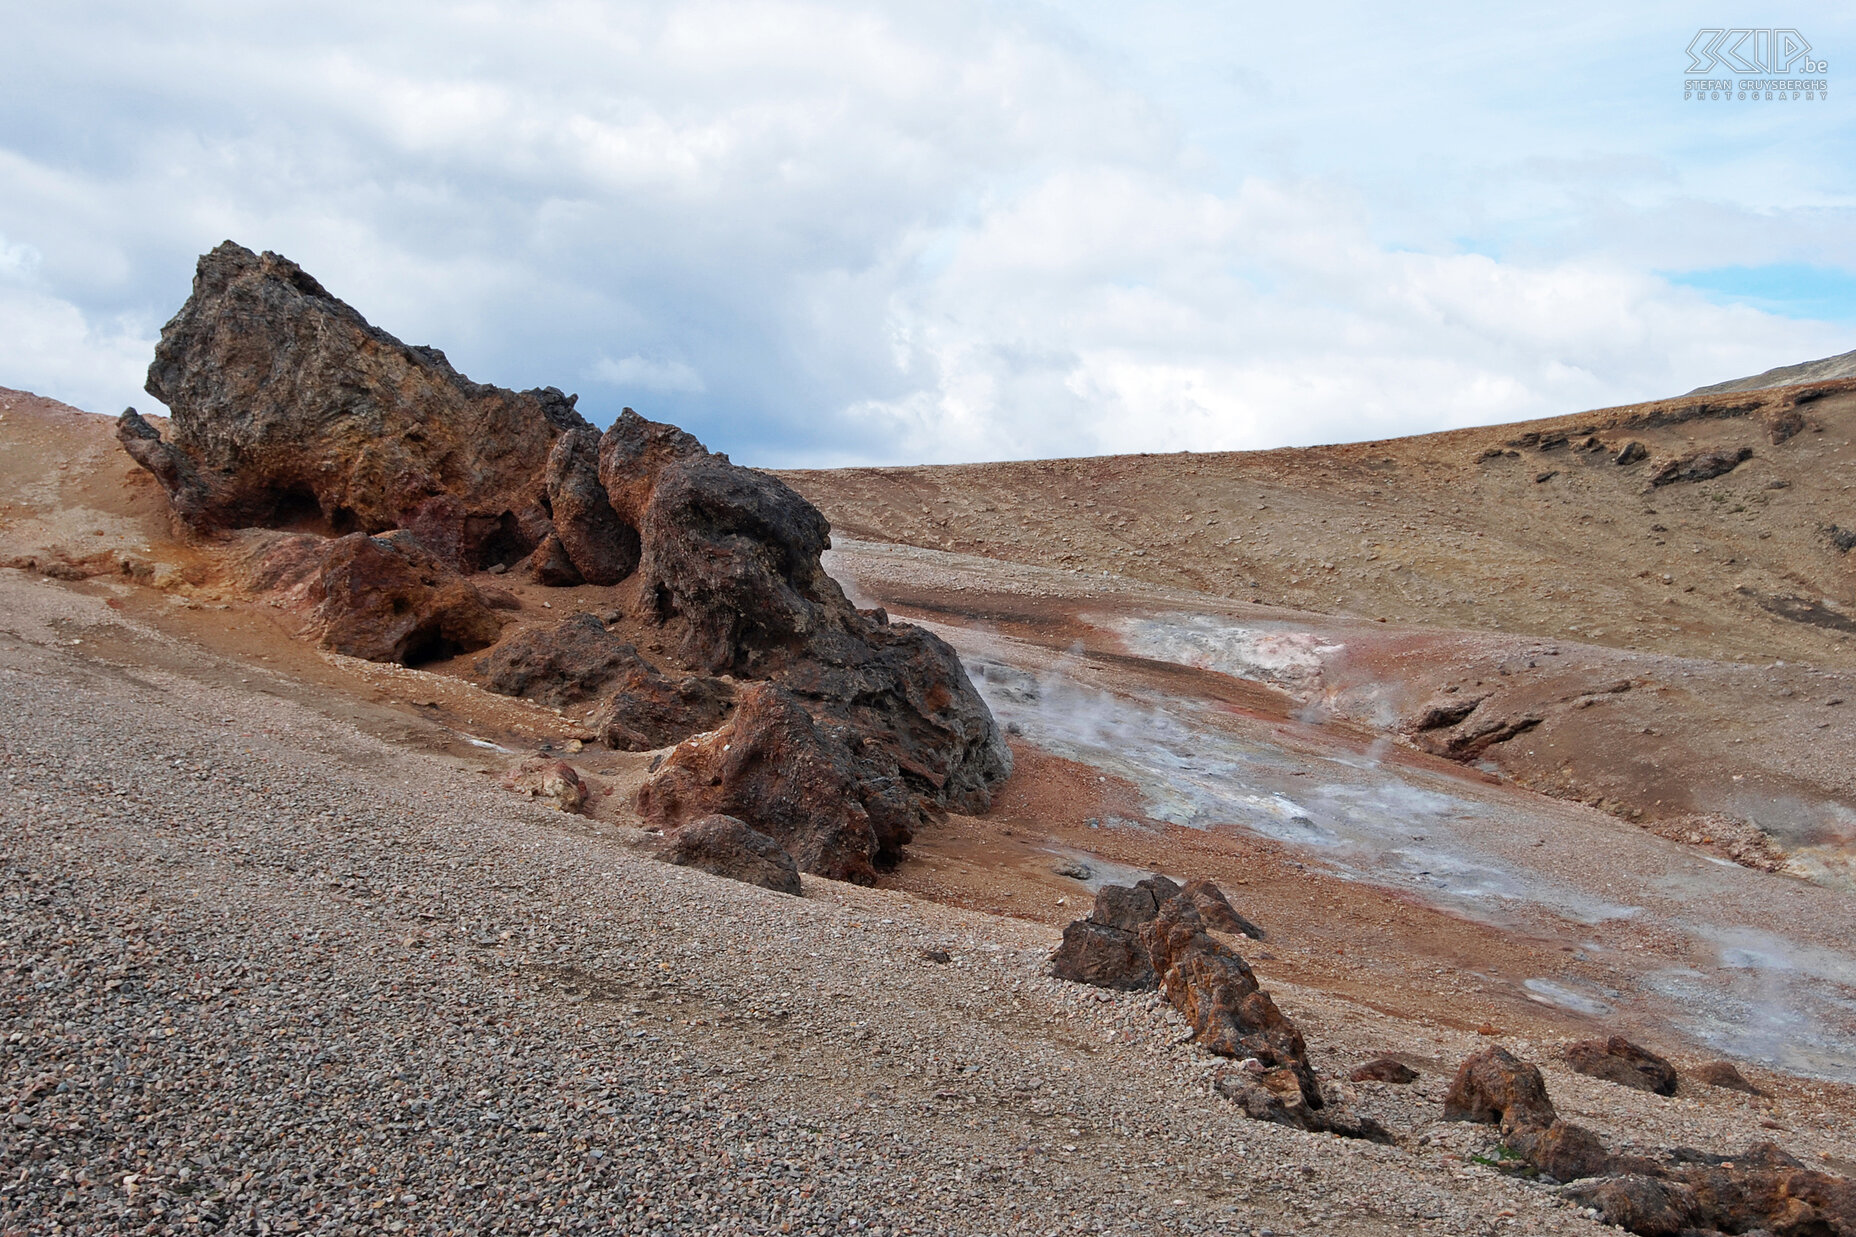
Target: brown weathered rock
(1618, 1060)
(1384, 1069)
(1765, 1188)
(1105, 956)
(1215, 909)
(551, 566)
(1699, 466)
(379, 598)
(568, 662)
(1630, 453)
(1218, 994)
(1131, 907)
(1155, 934)
(771, 765)
(1495, 1088)
(602, 547)
(645, 710)
(577, 660)
(1723, 1074)
(730, 565)
(289, 408)
(288, 405)
(1561, 1149)
(724, 846)
(543, 777)
(1640, 1204)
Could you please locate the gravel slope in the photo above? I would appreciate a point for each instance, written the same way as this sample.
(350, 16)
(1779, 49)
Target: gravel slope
(264, 972)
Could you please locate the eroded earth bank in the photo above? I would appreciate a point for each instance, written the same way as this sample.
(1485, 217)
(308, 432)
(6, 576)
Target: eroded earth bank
(407, 784)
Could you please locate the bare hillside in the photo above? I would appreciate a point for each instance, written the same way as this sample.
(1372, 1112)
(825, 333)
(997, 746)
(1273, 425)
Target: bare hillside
(1534, 529)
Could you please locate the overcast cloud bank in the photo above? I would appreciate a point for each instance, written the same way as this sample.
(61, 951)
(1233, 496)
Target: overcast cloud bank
(820, 233)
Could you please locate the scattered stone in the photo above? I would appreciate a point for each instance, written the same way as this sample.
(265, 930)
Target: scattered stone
(1632, 452)
(1074, 869)
(940, 957)
(1496, 1088)
(1384, 1069)
(1700, 466)
(1562, 1150)
(542, 777)
(1723, 1074)
(724, 846)
(1618, 1060)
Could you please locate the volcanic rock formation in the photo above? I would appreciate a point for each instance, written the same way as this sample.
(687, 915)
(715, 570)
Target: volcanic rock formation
(291, 411)
(1654, 1193)
(1157, 934)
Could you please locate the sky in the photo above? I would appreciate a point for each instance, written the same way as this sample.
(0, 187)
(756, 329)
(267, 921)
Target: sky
(818, 234)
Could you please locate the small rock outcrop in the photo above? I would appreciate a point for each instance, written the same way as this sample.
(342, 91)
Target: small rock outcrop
(1155, 935)
(724, 846)
(1700, 466)
(1653, 1193)
(383, 598)
(1724, 1074)
(1761, 1190)
(542, 777)
(1384, 1069)
(1618, 1060)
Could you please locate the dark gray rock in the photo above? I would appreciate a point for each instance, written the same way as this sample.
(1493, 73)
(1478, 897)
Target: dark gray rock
(725, 846)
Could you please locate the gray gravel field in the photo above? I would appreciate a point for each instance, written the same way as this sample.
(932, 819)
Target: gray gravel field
(262, 972)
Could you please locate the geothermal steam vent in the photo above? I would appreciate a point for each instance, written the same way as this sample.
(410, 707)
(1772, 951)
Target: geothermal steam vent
(370, 488)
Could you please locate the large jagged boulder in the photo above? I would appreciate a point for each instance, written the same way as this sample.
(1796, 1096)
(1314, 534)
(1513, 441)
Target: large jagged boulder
(291, 410)
(383, 598)
(602, 547)
(288, 404)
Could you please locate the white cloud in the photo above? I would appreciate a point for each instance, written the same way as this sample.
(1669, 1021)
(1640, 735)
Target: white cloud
(637, 371)
(818, 232)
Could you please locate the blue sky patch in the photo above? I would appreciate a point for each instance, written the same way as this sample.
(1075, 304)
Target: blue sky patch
(1789, 289)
